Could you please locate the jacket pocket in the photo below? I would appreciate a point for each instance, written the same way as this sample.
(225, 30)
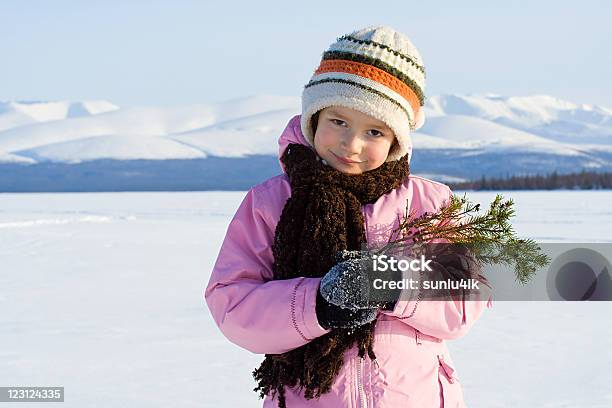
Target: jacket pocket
(451, 395)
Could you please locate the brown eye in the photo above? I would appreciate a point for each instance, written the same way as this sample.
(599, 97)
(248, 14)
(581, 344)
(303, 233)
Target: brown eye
(377, 134)
(337, 122)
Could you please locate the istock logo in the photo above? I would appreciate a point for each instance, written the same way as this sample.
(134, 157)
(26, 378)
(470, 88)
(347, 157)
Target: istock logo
(384, 263)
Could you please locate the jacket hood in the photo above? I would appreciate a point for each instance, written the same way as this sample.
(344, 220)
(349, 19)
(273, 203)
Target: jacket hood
(291, 134)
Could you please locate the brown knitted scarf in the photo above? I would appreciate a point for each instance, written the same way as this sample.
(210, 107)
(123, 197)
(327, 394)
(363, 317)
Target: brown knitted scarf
(322, 216)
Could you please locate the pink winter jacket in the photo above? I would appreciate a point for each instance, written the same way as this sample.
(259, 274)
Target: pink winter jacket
(413, 367)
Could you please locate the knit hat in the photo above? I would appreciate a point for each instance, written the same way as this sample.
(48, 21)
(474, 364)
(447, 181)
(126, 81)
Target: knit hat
(377, 71)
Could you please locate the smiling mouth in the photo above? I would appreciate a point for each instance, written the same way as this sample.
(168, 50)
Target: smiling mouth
(343, 160)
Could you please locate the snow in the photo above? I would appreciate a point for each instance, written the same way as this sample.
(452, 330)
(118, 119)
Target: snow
(232, 128)
(542, 115)
(443, 179)
(14, 114)
(253, 134)
(473, 132)
(251, 125)
(14, 158)
(102, 293)
(130, 121)
(122, 147)
(421, 140)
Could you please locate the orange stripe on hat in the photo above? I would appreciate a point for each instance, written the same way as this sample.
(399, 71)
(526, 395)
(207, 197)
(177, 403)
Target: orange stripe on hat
(373, 73)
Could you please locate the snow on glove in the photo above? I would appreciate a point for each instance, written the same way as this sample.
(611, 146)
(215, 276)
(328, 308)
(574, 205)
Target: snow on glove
(348, 284)
(332, 311)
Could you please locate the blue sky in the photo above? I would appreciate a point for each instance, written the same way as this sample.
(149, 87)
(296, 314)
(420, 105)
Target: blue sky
(135, 52)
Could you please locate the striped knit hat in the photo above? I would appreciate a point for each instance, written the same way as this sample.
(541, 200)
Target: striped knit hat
(377, 71)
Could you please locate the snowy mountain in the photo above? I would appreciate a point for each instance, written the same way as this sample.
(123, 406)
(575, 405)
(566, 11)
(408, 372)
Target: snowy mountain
(541, 115)
(93, 145)
(15, 114)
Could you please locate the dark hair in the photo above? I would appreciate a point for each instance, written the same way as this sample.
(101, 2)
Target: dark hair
(314, 121)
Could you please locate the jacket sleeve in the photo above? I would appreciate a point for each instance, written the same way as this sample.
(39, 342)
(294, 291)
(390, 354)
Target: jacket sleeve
(252, 310)
(448, 319)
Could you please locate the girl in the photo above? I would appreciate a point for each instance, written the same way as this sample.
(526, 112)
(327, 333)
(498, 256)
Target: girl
(345, 183)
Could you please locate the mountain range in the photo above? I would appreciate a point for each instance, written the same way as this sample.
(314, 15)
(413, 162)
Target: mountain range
(99, 146)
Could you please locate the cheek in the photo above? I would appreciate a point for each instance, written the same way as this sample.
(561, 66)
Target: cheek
(324, 138)
(378, 152)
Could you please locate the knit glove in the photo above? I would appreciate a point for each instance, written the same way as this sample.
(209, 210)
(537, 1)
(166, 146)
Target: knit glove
(343, 293)
(456, 260)
(334, 317)
(349, 283)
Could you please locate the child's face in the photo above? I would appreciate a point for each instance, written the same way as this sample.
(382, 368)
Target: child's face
(351, 141)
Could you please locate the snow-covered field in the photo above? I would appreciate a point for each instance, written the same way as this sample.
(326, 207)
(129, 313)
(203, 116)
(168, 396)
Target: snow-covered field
(102, 293)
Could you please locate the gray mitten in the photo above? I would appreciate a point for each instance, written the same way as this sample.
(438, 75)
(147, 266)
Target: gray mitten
(343, 293)
(346, 284)
(350, 283)
(334, 317)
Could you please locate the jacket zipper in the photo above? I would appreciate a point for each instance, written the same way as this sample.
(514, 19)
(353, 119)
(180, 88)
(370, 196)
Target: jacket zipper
(363, 403)
(362, 397)
(365, 222)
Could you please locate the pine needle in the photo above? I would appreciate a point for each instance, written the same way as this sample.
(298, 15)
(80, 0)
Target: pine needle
(489, 235)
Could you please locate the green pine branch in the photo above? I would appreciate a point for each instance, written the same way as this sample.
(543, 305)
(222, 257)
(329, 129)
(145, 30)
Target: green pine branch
(489, 235)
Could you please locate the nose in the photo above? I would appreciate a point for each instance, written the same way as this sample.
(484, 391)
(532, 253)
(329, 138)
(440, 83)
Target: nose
(351, 142)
